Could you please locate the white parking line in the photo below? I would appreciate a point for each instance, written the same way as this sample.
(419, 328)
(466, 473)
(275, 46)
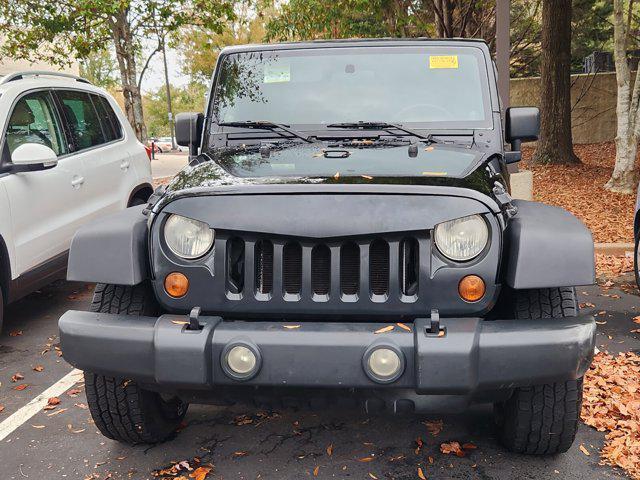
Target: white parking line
(37, 404)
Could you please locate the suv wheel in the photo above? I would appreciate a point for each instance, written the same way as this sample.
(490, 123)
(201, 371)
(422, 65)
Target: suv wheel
(542, 419)
(121, 408)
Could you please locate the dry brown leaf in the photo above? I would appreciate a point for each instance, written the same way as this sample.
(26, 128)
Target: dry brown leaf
(57, 412)
(421, 475)
(366, 459)
(452, 447)
(17, 377)
(38, 426)
(53, 401)
(330, 449)
(15, 333)
(201, 473)
(636, 319)
(1, 408)
(316, 470)
(434, 427)
(419, 445)
(74, 392)
(404, 327)
(386, 329)
(584, 450)
(38, 368)
(469, 446)
(240, 454)
(80, 405)
(21, 386)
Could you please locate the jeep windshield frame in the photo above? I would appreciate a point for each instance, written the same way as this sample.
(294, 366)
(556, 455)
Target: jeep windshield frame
(251, 82)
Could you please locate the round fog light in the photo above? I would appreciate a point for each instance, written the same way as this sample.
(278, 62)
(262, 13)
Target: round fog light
(241, 362)
(384, 365)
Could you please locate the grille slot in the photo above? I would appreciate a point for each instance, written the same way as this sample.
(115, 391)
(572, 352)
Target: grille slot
(379, 267)
(292, 268)
(320, 270)
(349, 269)
(235, 265)
(264, 266)
(409, 266)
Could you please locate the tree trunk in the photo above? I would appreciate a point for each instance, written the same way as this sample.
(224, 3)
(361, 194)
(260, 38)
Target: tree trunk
(125, 53)
(555, 144)
(624, 178)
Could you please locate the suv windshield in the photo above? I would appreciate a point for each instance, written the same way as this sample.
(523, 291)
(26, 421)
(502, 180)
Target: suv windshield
(423, 86)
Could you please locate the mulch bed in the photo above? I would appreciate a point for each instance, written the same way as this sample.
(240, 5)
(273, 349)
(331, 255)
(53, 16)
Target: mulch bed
(580, 189)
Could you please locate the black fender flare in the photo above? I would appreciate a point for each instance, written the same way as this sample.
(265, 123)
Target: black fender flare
(112, 249)
(547, 247)
(144, 187)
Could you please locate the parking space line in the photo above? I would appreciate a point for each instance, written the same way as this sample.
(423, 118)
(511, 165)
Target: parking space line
(37, 404)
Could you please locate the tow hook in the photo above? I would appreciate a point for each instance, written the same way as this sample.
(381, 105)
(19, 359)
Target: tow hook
(434, 329)
(194, 323)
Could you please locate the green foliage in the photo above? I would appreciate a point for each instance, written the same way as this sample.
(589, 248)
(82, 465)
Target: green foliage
(592, 30)
(189, 98)
(100, 68)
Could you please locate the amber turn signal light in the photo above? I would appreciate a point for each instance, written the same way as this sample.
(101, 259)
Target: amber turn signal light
(471, 288)
(176, 284)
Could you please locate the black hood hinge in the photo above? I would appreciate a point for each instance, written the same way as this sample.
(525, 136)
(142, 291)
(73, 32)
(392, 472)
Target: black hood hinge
(504, 200)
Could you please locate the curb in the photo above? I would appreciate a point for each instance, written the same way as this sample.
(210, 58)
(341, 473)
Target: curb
(614, 248)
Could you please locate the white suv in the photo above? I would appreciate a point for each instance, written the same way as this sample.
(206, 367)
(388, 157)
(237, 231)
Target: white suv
(67, 155)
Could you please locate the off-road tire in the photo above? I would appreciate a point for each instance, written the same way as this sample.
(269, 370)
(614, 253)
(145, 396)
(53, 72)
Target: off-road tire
(121, 409)
(542, 419)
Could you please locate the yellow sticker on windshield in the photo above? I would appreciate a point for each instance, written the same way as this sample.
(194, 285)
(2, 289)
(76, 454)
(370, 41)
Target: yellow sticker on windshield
(443, 61)
(277, 73)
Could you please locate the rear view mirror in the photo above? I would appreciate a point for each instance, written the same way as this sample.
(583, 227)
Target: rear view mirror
(522, 124)
(34, 154)
(189, 130)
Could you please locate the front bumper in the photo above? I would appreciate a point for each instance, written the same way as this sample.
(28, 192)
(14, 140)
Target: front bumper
(473, 355)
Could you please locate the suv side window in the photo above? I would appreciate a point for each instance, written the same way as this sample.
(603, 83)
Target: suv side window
(110, 123)
(34, 120)
(86, 131)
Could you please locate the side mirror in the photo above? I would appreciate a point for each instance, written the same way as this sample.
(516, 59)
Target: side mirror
(522, 124)
(35, 155)
(189, 130)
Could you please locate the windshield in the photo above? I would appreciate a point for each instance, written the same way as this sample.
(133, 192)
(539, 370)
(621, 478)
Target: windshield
(424, 86)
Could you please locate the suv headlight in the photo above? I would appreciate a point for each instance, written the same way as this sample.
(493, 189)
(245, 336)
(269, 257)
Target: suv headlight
(463, 238)
(187, 238)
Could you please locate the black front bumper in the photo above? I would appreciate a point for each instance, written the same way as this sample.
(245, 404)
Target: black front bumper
(473, 355)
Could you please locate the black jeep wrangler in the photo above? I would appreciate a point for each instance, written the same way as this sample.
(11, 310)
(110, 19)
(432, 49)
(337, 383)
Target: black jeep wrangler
(343, 232)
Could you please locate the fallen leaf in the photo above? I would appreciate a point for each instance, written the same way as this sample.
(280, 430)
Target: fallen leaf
(330, 449)
(316, 470)
(57, 412)
(239, 454)
(17, 377)
(291, 327)
(38, 426)
(636, 319)
(15, 333)
(418, 445)
(201, 473)
(21, 386)
(366, 459)
(1, 407)
(404, 327)
(386, 329)
(452, 447)
(434, 427)
(421, 475)
(38, 368)
(53, 401)
(74, 392)
(584, 450)
(469, 446)
(80, 405)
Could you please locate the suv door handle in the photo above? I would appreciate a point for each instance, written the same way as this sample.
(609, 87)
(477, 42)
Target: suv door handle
(77, 181)
(124, 165)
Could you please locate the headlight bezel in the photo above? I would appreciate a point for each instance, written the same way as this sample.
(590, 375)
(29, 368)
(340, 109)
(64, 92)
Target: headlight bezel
(449, 255)
(167, 225)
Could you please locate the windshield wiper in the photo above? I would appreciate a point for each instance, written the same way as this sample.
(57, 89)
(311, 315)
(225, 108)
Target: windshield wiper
(266, 125)
(383, 126)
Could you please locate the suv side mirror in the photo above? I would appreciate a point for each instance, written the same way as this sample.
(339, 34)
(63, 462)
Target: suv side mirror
(34, 155)
(189, 130)
(522, 124)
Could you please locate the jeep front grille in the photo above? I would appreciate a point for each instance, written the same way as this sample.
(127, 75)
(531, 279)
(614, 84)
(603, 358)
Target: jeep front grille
(379, 269)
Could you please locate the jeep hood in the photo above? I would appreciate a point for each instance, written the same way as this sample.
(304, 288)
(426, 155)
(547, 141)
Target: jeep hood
(317, 163)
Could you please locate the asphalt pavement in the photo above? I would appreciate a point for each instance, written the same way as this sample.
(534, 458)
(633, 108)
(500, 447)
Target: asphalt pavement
(243, 443)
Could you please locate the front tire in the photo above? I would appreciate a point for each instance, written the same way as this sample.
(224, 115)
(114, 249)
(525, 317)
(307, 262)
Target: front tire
(542, 419)
(121, 408)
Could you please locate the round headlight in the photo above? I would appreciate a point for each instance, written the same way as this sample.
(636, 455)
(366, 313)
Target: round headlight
(187, 238)
(463, 238)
